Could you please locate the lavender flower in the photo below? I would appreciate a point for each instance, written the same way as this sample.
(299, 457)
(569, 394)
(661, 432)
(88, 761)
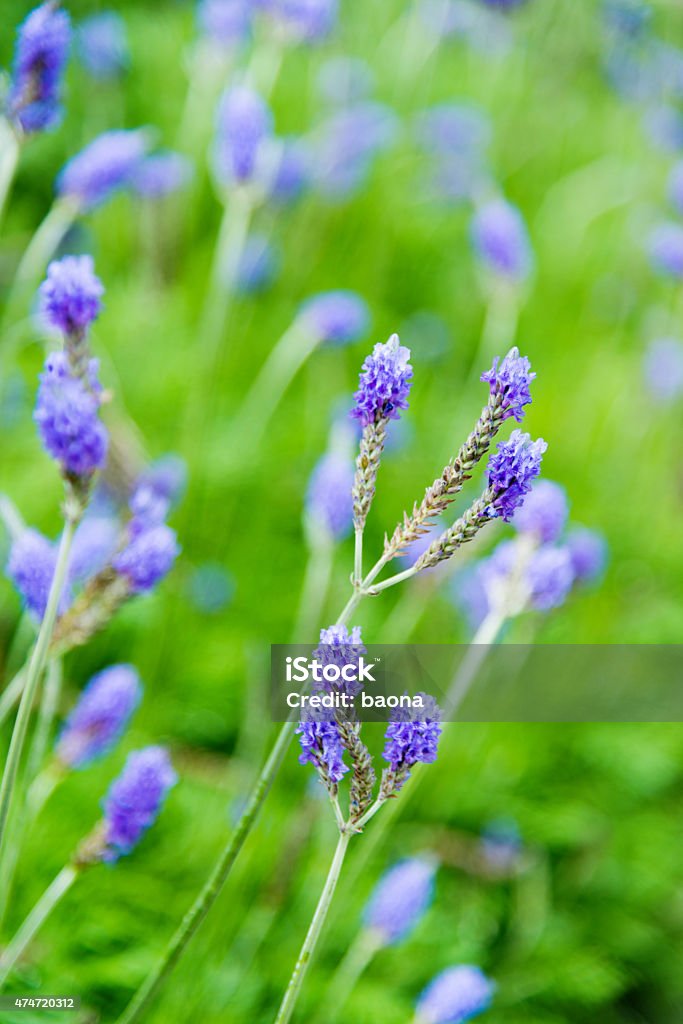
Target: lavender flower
(104, 167)
(161, 174)
(227, 22)
(511, 383)
(258, 265)
(39, 60)
(412, 737)
(67, 415)
(338, 317)
(167, 476)
(31, 567)
(454, 129)
(321, 746)
(71, 294)
(329, 505)
(304, 20)
(149, 508)
(663, 365)
(666, 249)
(103, 46)
(244, 124)
(550, 576)
(676, 186)
(455, 996)
(588, 553)
(135, 799)
(400, 899)
(511, 470)
(100, 717)
(385, 383)
(292, 172)
(94, 544)
(500, 238)
(147, 558)
(345, 146)
(544, 512)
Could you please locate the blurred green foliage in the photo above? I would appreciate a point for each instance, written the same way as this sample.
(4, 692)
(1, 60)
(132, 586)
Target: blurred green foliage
(592, 928)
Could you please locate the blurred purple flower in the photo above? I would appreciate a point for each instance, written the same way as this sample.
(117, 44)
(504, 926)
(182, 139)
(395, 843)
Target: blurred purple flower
(329, 504)
(104, 167)
(34, 102)
(293, 169)
(100, 716)
(67, 415)
(663, 366)
(161, 174)
(147, 558)
(457, 128)
(103, 45)
(550, 576)
(666, 248)
(345, 146)
(588, 552)
(400, 899)
(258, 265)
(500, 239)
(455, 996)
(244, 124)
(71, 294)
(31, 566)
(338, 317)
(225, 21)
(94, 544)
(167, 476)
(135, 799)
(303, 20)
(544, 512)
(345, 80)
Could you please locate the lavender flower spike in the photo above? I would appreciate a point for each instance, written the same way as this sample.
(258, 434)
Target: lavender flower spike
(412, 737)
(384, 387)
(544, 513)
(41, 53)
(588, 553)
(499, 236)
(338, 317)
(67, 415)
(71, 294)
(456, 995)
(511, 382)
(147, 558)
(100, 717)
(161, 174)
(103, 45)
(135, 799)
(321, 746)
(400, 899)
(31, 566)
(244, 124)
(104, 167)
(329, 506)
(666, 249)
(304, 20)
(226, 22)
(511, 470)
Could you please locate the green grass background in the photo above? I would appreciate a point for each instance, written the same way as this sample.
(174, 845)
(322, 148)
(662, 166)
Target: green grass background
(592, 929)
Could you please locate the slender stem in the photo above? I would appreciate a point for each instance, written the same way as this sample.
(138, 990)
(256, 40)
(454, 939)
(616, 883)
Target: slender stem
(359, 954)
(393, 580)
(207, 896)
(338, 816)
(499, 329)
(29, 807)
(370, 813)
(45, 905)
(11, 694)
(9, 158)
(477, 650)
(358, 557)
(313, 934)
(273, 379)
(34, 672)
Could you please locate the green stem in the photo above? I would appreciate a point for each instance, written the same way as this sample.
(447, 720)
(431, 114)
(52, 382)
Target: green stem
(9, 158)
(207, 896)
(11, 694)
(313, 934)
(34, 672)
(314, 588)
(45, 905)
(358, 557)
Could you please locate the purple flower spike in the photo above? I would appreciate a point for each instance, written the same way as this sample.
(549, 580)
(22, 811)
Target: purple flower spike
(511, 381)
(500, 238)
(244, 124)
(329, 504)
(103, 46)
(167, 476)
(67, 415)
(135, 799)
(104, 167)
(71, 294)
(226, 22)
(588, 552)
(666, 249)
(321, 746)
(550, 576)
(40, 57)
(455, 996)
(160, 175)
(100, 717)
(385, 383)
(31, 567)
(94, 544)
(304, 20)
(400, 899)
(338, 317)
(544, 513)
(511, 470)
(411, 737)
(663, 365)
(147, 558)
